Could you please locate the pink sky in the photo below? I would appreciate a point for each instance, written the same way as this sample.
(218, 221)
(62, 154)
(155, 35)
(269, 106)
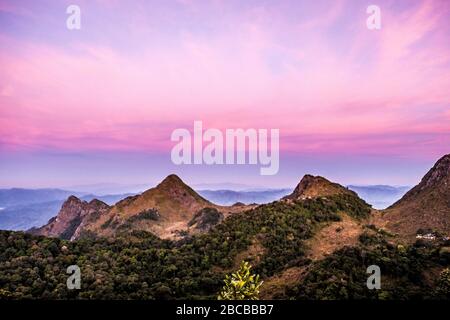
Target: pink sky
(137, 70)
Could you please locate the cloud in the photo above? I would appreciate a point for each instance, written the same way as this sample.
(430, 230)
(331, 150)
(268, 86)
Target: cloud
(250, 68)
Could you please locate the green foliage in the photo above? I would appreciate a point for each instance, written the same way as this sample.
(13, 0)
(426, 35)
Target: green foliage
(138, 265)
(111, 222)
(146, 215)
(5, 294)
(151, 214)
(342, 275)
(206, 217)
(241, 285)
(443, 285)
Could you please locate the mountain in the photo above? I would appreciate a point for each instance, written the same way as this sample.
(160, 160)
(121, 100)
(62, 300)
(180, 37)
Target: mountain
(165, 210)
(229, 197)
(380, 196)
(28, 208)
(73, 216)
(315, 243)
(23, 209)
(426, 206)
(281, 240)
(174, 202)
(103, 189)
(317, 186)
(24, 217)
(109, 199)
(19, 196)
(225, 186)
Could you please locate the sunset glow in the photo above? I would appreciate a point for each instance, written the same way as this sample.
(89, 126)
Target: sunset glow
(99, 104)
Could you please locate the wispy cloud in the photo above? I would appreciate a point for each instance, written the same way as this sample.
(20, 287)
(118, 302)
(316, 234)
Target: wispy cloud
(137, 71)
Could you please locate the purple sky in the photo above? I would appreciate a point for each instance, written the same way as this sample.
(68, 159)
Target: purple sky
(98, 105)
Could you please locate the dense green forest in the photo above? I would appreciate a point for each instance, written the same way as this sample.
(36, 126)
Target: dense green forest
(406, 272)
(138, 265)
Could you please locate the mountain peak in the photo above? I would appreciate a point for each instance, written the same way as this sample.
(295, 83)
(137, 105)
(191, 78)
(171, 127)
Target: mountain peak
(95, 203)
(173, 187)
(171, 180)
(435, 181)
(316, 186)
(73, 198)
(426, 206)
(72, 202)
(74, 212)
(440, 173)
(173, 200)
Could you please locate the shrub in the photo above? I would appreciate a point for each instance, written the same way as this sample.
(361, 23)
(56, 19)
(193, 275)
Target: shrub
(241, 285)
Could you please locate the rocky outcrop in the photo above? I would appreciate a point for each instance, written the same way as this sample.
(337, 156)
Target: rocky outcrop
(426, 206)
(317, 186)
(74, 214)
(205, 219)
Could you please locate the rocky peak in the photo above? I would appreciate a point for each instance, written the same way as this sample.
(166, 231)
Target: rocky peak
(438, 175)
(434, 185)
(71, 207)
(172, 178)
(97, 204)
(72, 200)
(73, 213)
(426, 206)
(175, 188)
(317, 186)
(171, 182)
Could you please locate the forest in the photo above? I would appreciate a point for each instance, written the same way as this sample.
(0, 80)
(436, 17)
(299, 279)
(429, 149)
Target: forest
(138, 265)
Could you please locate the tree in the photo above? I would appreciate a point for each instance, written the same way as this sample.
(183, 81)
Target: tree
(241, 285)
(443, 284)
(5, 294)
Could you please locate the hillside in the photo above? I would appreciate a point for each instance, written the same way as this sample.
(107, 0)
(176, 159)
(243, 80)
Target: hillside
(74, 215)
(165, 210)
(313, 244)
(426, 206)
(194, 266)
(316, 186)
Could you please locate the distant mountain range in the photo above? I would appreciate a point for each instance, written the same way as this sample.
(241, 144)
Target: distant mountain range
(172, 207)
(171, 210)
(229, 197)
(171, 242)
(19, 197)
(380, 196)
(22, 209)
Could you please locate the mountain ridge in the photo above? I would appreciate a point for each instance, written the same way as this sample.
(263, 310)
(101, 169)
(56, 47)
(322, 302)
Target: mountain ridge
(167, 209)
(164, 210)
(74, 214)
(317, 186)
(425, 206)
